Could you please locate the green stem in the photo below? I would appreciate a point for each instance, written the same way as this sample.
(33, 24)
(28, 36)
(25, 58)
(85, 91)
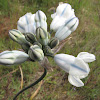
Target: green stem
(44, 74)
(50, 55)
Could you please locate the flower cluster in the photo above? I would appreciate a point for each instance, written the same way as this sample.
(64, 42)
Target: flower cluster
(37, 42)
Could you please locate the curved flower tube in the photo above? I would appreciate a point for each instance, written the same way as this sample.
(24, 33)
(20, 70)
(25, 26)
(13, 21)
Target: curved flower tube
(27, 23)
(75, 66)
(13, 57)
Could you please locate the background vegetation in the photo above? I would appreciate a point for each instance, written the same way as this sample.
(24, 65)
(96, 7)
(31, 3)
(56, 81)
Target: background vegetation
(55, 85)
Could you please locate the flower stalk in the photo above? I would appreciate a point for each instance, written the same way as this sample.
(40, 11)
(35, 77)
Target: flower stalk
(31, 85)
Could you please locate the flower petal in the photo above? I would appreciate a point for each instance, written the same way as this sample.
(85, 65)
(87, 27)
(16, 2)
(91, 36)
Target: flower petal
(65, 10)
(63, 61)
(32, 28)
(40, 15)
(40, 20)
(72, 23)
(57, 23)
(26, 22)
(66, 29)
(87, 57)
(63, 13)
(79, 68)
(75, 81)
(62, 33)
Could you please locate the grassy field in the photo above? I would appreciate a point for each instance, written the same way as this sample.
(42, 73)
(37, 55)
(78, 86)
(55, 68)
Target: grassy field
(55, 85)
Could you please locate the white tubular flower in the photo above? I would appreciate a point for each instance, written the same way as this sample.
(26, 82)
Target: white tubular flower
(26, 23)
(40, 19)
(17, 36)
(65, 30)
(64, 12)
(12, 57)
(75, 66)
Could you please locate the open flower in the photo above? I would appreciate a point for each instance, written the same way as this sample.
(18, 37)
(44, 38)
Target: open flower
(13, 57)
(64, 12)
(40, 20)
(77, 67)
(27, 23)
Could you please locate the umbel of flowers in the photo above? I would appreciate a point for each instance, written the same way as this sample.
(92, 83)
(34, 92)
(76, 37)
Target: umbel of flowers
(36, 42)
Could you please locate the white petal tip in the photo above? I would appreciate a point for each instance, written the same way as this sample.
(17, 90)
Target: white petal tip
(87, 57)
(75, 81)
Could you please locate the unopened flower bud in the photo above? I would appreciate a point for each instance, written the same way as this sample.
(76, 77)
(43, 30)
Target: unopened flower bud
(12, 57)
(40, 20)
(53, 42)
(36, 53)
(37, 43)
(47, 51)
(42, 36)
(17, 36)
(30, 37)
